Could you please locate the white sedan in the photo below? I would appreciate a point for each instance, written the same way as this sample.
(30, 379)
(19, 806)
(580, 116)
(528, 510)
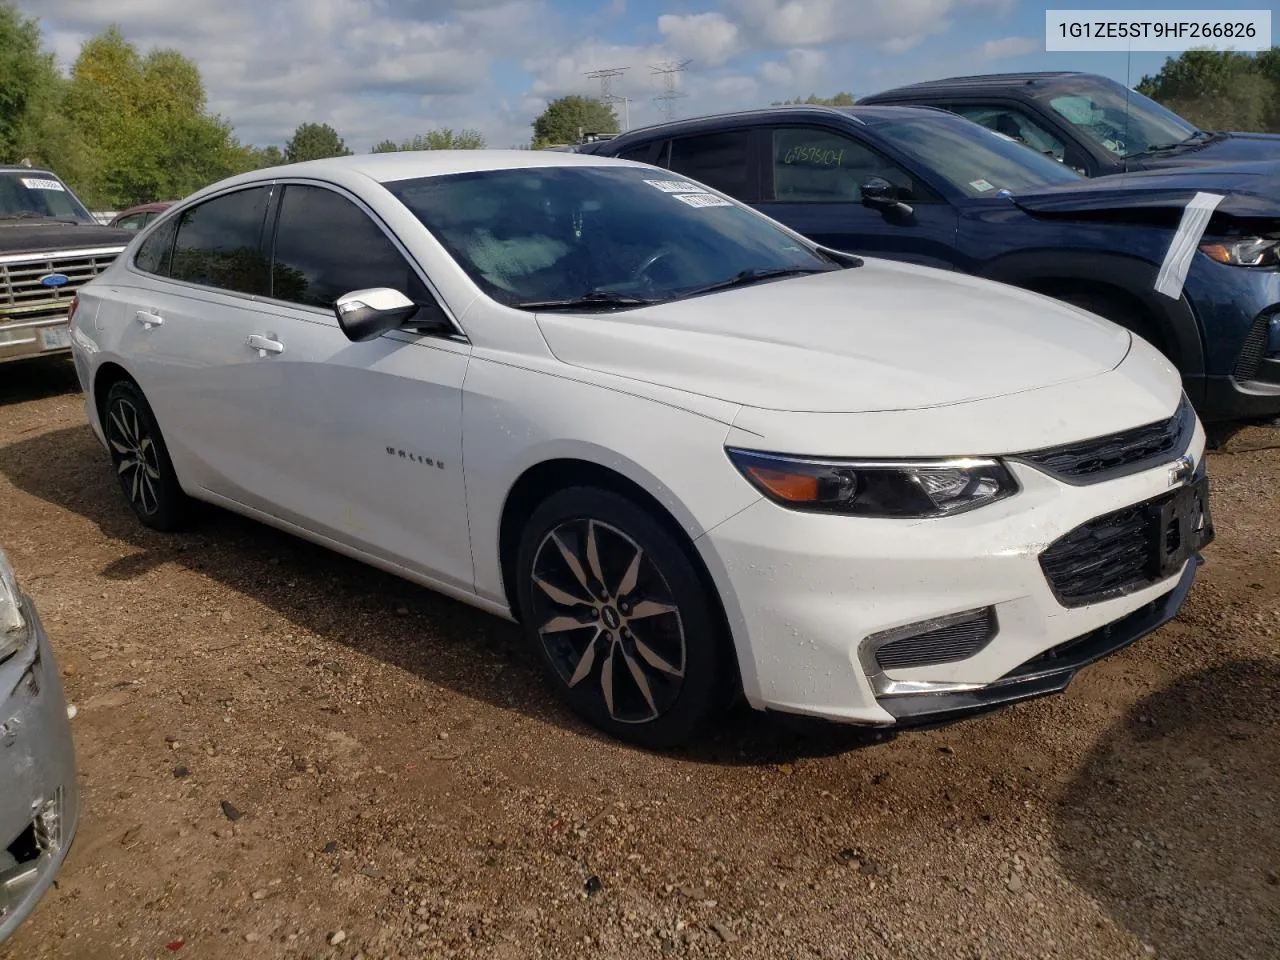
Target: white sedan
(694, 454)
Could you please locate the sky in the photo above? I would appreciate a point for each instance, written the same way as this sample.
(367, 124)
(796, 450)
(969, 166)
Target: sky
(378, 69)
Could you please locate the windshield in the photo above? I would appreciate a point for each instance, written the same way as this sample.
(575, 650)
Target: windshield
(38, 195)
(545, 234)
(976, 161)
(1121, 120)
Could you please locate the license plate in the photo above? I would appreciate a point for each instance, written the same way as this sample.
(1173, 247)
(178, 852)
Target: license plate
(55, 338)
(1184, 526)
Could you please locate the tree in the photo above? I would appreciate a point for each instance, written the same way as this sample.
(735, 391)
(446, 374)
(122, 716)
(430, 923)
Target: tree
(841, 99)
(568, 118)
(145, 116)
(33, 121)
(314, 141)
(1220, 90)
(442, 139)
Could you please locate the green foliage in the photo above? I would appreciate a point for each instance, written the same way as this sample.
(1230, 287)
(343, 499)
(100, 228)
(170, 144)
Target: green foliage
(841, 99)
(1220, 90)
(442, 139)
(314, 141)
(568, 118)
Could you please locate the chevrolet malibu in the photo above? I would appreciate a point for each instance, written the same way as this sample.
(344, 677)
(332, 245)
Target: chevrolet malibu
(694, 454)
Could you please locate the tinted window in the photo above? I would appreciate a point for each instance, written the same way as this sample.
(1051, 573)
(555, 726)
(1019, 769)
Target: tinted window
(718, 159)
(219, 243)
(130, 223)
(154, 252)
(640, 154)
(558, 233)
(976, 161)
(1016, 125)
(35, 194)
(814, 165)
(326, 246)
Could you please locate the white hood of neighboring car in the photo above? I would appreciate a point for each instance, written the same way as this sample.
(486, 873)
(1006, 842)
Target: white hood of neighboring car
(883, 336)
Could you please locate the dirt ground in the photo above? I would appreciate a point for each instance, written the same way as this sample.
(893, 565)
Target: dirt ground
(286, 754)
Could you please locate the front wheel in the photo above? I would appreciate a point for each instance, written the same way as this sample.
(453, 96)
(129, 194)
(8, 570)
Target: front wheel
(621, 618)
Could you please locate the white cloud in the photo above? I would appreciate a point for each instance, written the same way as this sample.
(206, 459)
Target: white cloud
(801, 69)
(709, 38)
(1008, 47)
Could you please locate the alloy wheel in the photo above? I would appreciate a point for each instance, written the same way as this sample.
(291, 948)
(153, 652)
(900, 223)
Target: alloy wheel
(608, 620)
(136, 456)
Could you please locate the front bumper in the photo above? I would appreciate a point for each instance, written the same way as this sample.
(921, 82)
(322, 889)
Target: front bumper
(39, 800)
(807, 595)
(48, 336)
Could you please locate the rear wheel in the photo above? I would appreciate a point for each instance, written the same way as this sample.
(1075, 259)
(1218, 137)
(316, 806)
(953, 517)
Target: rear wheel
(621, 618)
(141, 459)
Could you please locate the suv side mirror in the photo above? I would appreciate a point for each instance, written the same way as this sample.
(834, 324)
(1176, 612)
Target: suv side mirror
(879, 194)
(367, 314)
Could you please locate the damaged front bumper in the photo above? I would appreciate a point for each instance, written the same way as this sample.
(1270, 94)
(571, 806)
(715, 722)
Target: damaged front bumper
(39, 800)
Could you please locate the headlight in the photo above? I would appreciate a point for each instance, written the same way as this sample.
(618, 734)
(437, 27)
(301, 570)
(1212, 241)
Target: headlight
(915, 489)
(13, 629)
(1248, 252)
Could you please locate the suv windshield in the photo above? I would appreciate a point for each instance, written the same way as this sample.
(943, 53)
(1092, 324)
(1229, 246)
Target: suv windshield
(599, 236)
(38, 195)
(976, 161)
(1122, 121)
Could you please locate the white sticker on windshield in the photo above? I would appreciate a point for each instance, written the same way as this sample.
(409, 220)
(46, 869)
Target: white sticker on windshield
(702, 200)
(36, 183)
(982, 186)
(675, 186)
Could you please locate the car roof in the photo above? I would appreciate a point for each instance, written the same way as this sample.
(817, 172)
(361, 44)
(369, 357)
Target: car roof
(147, 207)
(19, 168)
(985, 80)
(858, 113)
(409, 164)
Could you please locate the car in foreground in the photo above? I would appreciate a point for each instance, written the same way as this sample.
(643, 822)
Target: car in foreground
(695, 454)
(39, 800)
(1089, 122)
(927, 187)
(137, 217)
(49, 245)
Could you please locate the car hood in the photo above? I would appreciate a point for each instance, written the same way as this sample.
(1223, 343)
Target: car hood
(1223, 148)
(1249, 190)
(884, 336)
(39, 236)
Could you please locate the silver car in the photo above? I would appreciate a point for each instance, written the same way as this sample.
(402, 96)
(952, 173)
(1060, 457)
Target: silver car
(39, 804)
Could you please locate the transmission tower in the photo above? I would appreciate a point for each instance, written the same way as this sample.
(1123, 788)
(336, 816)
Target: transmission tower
(606, 78)
(669, 70)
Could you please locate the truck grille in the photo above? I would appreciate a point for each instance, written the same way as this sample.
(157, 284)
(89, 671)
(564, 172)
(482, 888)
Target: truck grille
(24, 297)
(1117, 454)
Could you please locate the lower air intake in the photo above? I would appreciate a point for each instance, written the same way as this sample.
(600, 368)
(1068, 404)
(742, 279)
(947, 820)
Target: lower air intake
(953, 638)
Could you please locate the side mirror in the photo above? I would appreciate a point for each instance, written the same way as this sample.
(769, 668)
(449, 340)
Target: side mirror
(879, 194)
(367, 314)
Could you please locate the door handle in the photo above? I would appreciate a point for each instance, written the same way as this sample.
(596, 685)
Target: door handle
(148, 319)
(265, 345)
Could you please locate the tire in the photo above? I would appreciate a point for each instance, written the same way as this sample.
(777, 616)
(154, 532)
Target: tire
(141, 460)
(649, 634)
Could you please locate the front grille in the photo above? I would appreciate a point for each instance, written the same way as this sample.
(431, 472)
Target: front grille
(957, 638)
(1107, 557)
(1117, 454)
(1255, 345)
(24, 297)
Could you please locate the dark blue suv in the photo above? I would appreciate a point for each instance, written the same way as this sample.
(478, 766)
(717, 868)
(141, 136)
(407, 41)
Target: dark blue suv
(929, 187)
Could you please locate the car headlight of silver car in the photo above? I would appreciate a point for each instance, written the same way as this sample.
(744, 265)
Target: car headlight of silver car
(13, 628)
(897, 489)
(1245, 252)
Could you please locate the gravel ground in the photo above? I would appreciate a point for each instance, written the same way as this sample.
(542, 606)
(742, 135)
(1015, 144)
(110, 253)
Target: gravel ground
(286, 754)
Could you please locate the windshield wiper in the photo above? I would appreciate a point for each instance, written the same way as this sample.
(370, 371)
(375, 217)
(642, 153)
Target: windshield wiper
(748, 277)
(588, 301)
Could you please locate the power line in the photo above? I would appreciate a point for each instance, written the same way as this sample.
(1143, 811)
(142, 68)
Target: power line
(606, 78)
(670, 71)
